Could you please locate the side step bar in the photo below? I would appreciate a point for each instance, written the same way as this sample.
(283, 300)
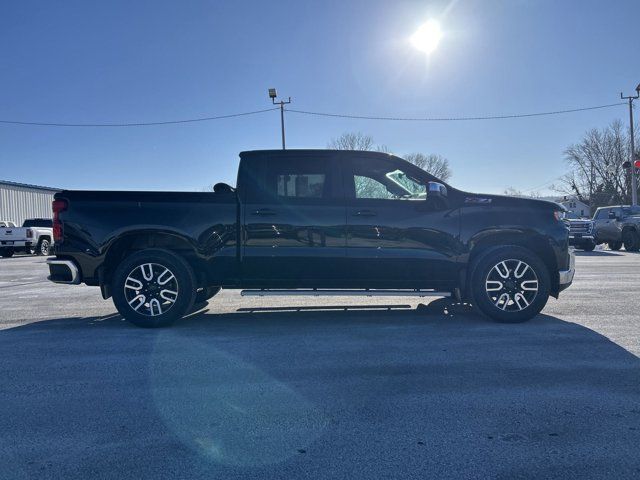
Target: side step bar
(320, 292)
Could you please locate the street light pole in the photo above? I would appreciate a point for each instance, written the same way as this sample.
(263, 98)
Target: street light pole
(272, 95)
(634, 181)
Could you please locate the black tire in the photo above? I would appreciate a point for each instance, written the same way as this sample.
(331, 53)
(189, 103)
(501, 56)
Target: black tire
(512, 302)
(588, 247)
(172, 292)
(206, 293)
(43, 247)
(615, 246)
(7, 252)
(28, 250)
(631, 240)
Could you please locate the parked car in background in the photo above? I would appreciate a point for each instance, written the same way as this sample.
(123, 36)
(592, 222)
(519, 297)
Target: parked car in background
(581, 232)
(4, 223)
(36, 234)
(618, 225)
(313, 222)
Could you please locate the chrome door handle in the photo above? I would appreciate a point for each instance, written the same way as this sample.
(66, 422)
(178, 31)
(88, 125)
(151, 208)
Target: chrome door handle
(365, 213)
(264, 211)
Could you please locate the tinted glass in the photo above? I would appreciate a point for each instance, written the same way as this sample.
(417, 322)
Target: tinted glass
(383, 179)
(38, 222)
(297, 178)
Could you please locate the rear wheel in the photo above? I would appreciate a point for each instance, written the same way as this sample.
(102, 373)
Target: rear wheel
(615, 246)
(43, 247)
(153, 288)
(510, 284)
(7, 252)
(631, 240)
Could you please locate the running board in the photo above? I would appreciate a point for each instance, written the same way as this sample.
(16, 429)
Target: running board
(319, 292)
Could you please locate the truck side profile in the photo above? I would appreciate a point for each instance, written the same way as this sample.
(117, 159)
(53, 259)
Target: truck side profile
(312, 222)
(618, 225)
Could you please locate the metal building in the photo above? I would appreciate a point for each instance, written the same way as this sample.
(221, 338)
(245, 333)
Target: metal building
(19, 201)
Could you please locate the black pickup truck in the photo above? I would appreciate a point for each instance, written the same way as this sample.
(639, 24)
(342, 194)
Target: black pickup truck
(312, 222)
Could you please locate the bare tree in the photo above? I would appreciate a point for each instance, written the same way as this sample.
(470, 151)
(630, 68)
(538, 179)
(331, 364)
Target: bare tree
(352, 141)
(596, 167)
(436, 165)
(514, 192)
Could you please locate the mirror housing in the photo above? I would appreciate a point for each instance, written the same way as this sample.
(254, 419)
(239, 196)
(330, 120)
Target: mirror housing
(436, 189)
(222, 188)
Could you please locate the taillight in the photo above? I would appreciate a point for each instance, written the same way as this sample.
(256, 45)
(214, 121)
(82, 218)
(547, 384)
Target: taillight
(58, 206)
(29, 233)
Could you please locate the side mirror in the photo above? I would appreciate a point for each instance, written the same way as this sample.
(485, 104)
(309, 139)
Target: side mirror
(436, 189)
(613, 216)
(222, 188)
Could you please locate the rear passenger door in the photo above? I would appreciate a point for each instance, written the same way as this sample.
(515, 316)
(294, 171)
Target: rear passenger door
(294, 222)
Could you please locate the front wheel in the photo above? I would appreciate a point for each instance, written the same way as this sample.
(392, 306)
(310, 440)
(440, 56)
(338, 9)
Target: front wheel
(510, 284)
(631, 240)
(615, 246)
(589, 247)
(153, 288)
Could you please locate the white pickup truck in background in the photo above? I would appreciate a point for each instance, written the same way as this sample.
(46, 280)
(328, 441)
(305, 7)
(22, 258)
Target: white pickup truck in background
(36, 234)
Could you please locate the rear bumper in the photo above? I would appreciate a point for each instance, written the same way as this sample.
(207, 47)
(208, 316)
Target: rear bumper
(14, 244)
(566, 276)
(63, 271)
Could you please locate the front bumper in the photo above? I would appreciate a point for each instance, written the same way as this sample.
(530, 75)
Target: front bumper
(566, 276)
(580, 239)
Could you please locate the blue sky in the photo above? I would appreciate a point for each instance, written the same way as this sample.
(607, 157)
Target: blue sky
(123, 61)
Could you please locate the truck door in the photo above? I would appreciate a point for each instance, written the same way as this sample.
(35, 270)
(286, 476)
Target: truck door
(607, 228)
(397, 236)
(294, 222)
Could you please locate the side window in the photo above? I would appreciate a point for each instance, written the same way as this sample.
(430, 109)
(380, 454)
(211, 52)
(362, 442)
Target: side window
(373, 178)
(299, 179)
(602, 214)
(301, 185)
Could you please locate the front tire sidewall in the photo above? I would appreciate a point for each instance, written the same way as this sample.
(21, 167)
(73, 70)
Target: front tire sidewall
(482, 268)
(631, 241)
(186, 287)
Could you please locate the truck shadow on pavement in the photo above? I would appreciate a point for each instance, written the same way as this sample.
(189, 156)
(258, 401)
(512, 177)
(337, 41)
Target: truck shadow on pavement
(324, 394)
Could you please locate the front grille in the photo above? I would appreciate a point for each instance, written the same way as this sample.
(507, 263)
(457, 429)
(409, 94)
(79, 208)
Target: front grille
(583, 228)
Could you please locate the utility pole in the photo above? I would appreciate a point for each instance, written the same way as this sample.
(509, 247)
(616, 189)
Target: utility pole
(272, 95)
(634, 182)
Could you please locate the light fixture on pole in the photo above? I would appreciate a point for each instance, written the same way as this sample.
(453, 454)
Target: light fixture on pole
(632, 166)
(273, 95)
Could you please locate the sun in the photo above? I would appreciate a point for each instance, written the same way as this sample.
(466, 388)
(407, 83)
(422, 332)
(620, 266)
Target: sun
(427, 37)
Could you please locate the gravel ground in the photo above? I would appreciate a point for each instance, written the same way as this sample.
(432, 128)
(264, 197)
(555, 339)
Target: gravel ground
(240, 392)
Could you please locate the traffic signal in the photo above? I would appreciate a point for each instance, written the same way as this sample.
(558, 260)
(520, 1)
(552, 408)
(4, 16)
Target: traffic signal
(637, 163)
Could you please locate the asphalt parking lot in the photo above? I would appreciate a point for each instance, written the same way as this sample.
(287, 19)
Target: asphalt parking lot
(241, 391)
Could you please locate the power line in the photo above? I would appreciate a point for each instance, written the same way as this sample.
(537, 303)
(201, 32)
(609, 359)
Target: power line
(307, 112)
(453, 119)
(138, 124)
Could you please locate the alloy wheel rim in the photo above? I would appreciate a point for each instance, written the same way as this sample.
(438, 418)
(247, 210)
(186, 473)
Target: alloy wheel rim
(151, 289)
(44, 247)
(512, 285)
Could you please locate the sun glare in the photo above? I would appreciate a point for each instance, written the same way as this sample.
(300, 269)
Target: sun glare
(427, 37)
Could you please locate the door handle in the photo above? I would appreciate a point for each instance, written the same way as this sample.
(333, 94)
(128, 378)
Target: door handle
(264, 212)
(365, 213)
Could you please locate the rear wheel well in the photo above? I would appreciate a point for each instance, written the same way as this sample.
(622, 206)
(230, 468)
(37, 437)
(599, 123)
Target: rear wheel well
(134, 242)
(536, 244)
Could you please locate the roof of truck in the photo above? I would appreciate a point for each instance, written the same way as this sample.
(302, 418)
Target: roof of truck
(317, 151)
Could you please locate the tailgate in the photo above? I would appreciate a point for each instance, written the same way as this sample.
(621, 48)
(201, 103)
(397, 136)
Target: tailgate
(13, 234)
